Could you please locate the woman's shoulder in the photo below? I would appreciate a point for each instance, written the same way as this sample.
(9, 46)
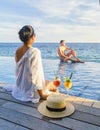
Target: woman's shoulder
(18, 50)
(19, 53)
(34, 50)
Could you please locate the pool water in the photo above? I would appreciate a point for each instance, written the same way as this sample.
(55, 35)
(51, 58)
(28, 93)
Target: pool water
(86, 76)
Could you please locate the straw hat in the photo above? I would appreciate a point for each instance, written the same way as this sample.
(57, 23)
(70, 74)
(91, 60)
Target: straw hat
(56, 107)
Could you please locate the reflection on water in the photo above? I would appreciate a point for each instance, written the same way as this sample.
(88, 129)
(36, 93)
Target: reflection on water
(86, 79)
(65, 69)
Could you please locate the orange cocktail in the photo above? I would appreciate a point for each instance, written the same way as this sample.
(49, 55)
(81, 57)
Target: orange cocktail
(56, 81)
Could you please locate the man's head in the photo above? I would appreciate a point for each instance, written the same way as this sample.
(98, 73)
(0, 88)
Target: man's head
(62, 42)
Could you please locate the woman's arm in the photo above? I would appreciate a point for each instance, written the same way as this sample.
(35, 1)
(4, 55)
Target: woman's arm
(42, 95)
(50, 87)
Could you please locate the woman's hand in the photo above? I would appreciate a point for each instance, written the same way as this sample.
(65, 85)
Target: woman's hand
(42, 94)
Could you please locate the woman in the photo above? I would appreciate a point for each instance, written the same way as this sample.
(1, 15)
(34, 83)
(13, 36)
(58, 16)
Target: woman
(30, 83)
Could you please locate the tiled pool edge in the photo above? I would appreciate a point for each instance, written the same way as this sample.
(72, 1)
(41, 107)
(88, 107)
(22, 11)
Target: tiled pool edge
(83, 101)
(74, 99)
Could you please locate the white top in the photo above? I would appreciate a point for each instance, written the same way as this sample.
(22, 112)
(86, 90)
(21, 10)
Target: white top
(29, 76)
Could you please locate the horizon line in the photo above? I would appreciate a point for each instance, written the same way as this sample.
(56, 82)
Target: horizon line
(46, 42)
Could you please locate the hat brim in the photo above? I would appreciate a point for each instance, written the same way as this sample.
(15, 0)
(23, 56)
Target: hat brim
(44, 111)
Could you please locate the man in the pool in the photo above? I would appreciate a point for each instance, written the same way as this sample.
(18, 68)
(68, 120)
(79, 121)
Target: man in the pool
(65, 57)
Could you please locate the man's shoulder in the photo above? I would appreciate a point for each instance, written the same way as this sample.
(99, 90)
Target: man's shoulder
(62, 47)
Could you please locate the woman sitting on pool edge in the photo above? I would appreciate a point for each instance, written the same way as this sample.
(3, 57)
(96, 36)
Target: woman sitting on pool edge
(67, 57)
(30, 83)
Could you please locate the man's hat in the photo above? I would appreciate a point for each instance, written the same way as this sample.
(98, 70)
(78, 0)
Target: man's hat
(56, 107)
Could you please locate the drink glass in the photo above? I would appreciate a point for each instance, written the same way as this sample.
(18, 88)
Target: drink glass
(57, 81)
(68, 84)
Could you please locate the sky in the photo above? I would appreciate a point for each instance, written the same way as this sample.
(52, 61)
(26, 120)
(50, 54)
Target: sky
(53, 20)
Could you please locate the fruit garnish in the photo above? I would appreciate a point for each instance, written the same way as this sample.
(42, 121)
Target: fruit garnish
(56, 77)
(67, 79)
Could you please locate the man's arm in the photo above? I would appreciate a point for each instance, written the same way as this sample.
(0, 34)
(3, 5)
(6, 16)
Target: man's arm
(68, 48)
(61, 53)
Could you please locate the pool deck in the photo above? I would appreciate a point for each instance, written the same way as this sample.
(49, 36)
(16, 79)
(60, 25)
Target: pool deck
(17, 115)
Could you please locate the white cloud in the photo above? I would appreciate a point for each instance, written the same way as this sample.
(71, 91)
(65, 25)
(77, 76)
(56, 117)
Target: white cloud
(53, 20)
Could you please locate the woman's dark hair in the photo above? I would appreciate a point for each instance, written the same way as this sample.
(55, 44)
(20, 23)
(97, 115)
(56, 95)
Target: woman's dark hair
(26, 33)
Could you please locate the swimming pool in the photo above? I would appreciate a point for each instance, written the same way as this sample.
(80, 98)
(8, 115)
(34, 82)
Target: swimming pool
(86, 76)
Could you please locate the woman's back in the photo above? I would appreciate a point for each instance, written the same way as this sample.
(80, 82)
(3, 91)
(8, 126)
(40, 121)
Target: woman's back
(29, 75)
(20, 52)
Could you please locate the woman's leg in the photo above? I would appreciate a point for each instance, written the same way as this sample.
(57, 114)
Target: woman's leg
(50, 86)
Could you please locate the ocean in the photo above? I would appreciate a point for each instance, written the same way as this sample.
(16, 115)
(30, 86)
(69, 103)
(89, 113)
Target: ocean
(86, 76)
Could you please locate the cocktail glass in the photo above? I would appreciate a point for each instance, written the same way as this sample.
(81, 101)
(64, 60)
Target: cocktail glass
(56, 81)
(68, 82)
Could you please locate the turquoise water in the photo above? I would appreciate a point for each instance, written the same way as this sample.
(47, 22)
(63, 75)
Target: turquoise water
(86, 77)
